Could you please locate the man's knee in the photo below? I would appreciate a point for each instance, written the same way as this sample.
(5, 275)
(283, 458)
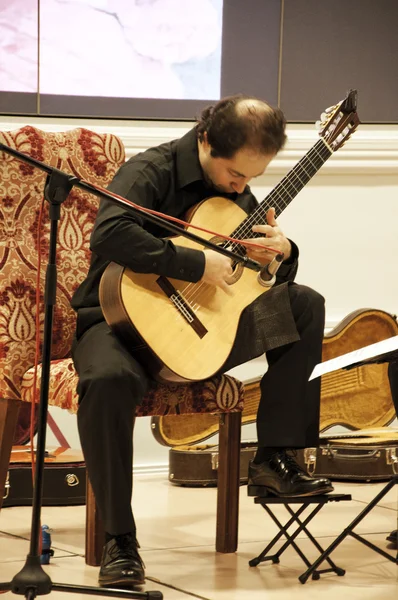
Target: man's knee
(307, 301)
(113, 384)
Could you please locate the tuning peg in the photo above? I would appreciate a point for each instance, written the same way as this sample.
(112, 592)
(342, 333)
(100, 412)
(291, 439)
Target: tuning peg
(329, 110)
(326, 115)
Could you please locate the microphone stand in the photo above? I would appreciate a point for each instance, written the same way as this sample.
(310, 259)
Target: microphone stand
(32, 580)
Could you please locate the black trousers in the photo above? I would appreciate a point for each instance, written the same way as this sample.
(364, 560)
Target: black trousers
(112, 383)
(393, 378)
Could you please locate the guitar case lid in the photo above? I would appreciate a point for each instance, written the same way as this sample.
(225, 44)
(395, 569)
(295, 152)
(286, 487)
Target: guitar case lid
(358, 398)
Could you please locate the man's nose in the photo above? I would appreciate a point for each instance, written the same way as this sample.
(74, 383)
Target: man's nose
(239, 186)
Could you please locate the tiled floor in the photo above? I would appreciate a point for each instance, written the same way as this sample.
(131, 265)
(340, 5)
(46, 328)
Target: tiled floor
(176, 533)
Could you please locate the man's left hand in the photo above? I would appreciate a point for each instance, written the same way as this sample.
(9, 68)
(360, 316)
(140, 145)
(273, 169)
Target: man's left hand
(273, 238)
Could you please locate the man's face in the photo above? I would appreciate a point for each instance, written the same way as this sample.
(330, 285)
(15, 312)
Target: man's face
(230, 175)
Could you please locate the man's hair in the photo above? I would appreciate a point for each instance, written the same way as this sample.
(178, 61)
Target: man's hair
(237, 122)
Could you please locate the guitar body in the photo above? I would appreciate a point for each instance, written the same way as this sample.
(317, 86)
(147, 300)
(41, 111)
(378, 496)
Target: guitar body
(138, 307)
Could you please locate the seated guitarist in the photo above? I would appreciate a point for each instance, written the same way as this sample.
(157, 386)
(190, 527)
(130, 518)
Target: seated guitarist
(232, 142)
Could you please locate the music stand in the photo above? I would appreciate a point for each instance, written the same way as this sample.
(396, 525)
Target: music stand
(32, 580)
(387, 357)
(384, 357)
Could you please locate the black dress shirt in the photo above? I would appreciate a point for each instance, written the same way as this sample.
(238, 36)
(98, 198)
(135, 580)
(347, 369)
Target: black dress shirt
(167, 178)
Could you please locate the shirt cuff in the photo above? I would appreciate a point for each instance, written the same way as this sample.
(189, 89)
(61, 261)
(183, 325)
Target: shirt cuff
(188, 264)
(290, 264)
(293, 255)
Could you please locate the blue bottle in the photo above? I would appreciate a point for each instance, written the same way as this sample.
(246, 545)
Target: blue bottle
(46, 550)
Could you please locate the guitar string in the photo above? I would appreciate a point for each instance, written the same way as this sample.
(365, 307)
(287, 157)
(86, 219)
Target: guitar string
(315, 159)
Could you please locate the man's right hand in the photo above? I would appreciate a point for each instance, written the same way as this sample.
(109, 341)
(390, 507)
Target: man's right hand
(218, 270)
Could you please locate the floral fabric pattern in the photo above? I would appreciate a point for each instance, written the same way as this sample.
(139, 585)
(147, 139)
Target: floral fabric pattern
(221, 393)
(87, 155)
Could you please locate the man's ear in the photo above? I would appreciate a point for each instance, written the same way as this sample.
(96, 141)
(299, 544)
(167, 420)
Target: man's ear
(205, 141)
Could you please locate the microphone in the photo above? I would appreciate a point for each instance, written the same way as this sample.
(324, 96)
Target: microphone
(267, 275)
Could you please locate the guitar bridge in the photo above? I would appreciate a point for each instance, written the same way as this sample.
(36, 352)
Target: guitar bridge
(182, 306)
(178, 302)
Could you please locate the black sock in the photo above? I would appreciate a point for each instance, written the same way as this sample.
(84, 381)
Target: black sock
(264, 453)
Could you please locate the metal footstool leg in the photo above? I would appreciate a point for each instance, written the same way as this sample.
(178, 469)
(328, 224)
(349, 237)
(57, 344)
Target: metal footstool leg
(306, 502)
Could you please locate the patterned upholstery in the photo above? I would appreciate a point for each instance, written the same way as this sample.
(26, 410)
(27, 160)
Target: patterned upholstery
(95, 158)
(219, 394)
(92, 157)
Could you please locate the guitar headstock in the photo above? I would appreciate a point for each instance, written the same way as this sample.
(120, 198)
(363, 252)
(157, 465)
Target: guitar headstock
(339, 122)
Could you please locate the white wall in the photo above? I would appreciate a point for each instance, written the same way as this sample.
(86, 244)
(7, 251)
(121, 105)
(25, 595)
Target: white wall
(345, 222)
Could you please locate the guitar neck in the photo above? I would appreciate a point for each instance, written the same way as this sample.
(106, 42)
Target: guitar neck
(287, 189)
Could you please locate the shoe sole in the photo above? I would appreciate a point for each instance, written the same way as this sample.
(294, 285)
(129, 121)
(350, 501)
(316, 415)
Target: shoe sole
(121, 581)
(262, 491)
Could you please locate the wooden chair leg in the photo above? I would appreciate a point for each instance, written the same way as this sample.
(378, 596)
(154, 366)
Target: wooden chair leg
(95, 534)
(228, 482)
(8, 421)
(227, 495)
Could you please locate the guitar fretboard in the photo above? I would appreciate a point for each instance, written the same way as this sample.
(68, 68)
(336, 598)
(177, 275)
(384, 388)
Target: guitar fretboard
(281, 196)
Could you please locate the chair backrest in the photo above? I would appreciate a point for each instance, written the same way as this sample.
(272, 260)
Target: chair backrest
(90, 156)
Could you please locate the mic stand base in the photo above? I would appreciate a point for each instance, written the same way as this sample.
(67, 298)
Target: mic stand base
(32, 577)
(33, 581)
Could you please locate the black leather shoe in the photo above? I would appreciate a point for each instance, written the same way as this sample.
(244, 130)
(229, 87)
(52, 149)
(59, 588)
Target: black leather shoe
(121, 565)
(392, 537)
(282, 476)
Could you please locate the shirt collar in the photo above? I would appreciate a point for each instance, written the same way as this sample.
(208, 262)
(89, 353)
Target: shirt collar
(188, 165)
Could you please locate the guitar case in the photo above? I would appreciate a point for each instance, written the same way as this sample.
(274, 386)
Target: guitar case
(360, 400)
(64, 478)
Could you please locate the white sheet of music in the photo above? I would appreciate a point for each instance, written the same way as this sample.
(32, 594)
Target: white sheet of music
(383, 347)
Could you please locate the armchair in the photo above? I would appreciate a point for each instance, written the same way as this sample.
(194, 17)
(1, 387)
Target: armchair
(95, 158)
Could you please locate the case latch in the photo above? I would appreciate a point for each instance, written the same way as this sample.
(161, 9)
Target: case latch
(72, 479)
(392, 459)
(214, 461)
(310, 459)
(7, 486)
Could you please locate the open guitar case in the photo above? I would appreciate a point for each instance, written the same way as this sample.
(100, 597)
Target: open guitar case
(64, 478)
(359, 400)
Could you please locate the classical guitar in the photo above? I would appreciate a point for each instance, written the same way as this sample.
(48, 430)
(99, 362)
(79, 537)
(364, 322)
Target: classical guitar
(168, 320)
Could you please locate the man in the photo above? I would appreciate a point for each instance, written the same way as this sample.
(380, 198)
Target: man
(233, 142)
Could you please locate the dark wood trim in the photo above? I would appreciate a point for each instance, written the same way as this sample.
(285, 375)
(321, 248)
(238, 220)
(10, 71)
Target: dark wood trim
(228, 482)
(9, 410)
(95, 533)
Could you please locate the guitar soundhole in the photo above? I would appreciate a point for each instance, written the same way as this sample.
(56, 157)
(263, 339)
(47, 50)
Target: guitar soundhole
(237, 272)
(237, 267)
